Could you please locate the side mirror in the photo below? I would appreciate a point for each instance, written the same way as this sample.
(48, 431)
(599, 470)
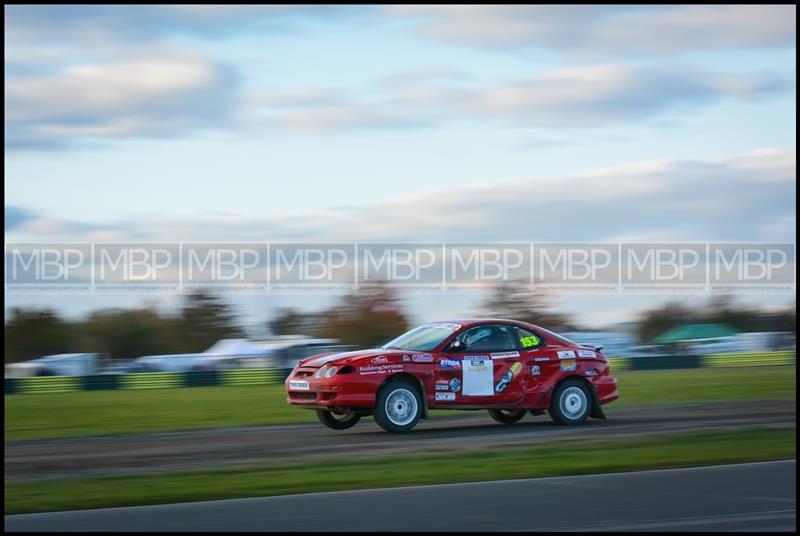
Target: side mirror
(457, 346)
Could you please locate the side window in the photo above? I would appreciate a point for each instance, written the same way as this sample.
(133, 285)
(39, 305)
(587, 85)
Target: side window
(489, 339)
(528, 340)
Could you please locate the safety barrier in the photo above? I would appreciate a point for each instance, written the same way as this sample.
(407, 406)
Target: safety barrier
(154, 380)
(668, 362)
(253, 377)
(163, 380)
(50, 384)
(749, 360)
(144, 380)
(619, 363)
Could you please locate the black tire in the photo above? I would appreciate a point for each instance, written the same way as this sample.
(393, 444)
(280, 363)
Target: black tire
(507, 416)
(404, 403)
(571, 402)
(338, 422)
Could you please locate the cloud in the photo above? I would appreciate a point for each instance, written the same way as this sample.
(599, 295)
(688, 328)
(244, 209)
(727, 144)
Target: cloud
(16, 216)
(125, 80)
(33, 225)
(347, 116)
(585, 95)
(599, 29)
(154, 92)
(608, 29)
(683, 28)
(607, 94)
(747, 197)
(111, 23)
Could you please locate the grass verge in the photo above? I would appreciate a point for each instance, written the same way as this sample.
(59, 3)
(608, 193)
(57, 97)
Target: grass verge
(546, 459)
(37, 416)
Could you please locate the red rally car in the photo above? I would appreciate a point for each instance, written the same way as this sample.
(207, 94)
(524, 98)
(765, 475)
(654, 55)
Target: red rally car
(504, 366)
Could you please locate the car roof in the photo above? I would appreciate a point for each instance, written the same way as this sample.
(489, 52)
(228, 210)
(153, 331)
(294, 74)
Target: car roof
(467, 322)
(470, 322)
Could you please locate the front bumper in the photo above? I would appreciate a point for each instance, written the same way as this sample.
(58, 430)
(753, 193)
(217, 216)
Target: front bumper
(338, 392)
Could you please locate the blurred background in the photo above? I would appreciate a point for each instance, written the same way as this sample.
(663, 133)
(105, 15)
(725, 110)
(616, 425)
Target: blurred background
(207, 335)
(392, 125)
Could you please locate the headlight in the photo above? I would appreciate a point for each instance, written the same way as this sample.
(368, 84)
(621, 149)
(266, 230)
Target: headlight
(326, 371)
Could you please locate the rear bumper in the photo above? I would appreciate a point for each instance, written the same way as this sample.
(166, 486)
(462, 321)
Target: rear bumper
(606, 387)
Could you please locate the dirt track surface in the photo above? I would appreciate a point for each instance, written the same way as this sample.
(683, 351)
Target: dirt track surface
(166, 451)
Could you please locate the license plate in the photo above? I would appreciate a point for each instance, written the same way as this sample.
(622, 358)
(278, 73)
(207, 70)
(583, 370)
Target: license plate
(298, 385)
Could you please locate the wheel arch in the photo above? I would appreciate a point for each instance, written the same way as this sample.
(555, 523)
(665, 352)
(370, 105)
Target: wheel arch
(415, 381)
(596, 411)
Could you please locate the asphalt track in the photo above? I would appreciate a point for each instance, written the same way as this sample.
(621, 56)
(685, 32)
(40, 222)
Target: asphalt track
(155, 452)
(751, 497)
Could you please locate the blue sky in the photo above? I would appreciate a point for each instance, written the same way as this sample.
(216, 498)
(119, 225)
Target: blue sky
(358, 123)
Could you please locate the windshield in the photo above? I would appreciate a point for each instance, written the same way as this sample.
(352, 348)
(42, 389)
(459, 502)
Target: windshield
(422, 339)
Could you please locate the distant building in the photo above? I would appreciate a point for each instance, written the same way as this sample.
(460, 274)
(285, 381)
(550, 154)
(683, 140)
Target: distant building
(58, 365)
(281, 352)
(704, 339)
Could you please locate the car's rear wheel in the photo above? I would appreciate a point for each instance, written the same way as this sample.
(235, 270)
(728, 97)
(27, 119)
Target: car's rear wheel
(507, 416)
(571, 403)
(398, 406)
(338, 421)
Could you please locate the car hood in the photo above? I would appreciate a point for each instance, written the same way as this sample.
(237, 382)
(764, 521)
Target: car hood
(343, 358)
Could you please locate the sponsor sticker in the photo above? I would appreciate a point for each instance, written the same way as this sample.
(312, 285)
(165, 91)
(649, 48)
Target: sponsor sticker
(502, 355)
(443, 325)
(536, 370)
(379, 360)
(508, 377)
(442, 386)
(455, 385)
(450, 363)
(541, 358)
(298, 385)
(447, 397)
(380, 369)
(422, 358)
(478, 376)
(406, 358)
(591, 373)
(566, 354)
(568, 364)
(586, 353)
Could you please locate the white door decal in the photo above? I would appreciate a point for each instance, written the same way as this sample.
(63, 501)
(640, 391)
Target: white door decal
(478, 376)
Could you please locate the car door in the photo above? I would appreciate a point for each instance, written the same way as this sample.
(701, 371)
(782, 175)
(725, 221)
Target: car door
(539, 362)
(486, 373)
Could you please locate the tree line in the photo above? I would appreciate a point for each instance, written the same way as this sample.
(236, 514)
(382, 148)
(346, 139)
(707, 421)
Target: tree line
(365, 319)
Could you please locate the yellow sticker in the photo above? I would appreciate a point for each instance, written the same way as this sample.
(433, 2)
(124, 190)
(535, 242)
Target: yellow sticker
(529, 341)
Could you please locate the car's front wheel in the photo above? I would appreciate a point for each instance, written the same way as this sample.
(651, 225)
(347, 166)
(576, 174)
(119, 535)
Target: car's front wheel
(398, 406)
(338, 422)
(507, 416)
(571, 402)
